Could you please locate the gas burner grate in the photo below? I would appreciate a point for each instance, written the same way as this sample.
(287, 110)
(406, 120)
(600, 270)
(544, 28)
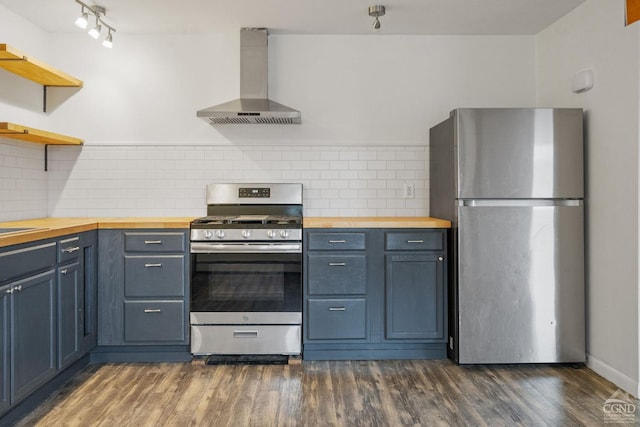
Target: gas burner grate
(248, 219)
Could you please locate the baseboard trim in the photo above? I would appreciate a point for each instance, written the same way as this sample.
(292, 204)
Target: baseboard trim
(605, 370)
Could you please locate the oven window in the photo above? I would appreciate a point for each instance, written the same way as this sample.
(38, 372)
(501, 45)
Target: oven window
(246, 282)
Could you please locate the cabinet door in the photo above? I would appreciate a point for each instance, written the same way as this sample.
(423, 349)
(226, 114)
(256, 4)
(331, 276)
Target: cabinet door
(69, 310)
(5, 343)
(414, 291)
(88, 290)
(33, 358)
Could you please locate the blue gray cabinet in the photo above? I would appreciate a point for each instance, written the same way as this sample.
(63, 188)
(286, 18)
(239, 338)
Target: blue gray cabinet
(70, 298)
(5, 349)
(27, 311)
(88, 292)
(336, 286)
(143, 288)
(46, 287)
(375, 293)
(33, 334)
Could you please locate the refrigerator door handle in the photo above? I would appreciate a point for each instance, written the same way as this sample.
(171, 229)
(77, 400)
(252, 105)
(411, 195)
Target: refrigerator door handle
(519, 202)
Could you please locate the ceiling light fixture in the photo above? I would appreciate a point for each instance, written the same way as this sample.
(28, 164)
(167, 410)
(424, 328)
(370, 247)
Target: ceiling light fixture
(376, 11)
(108, 41)
(83, 19)
(98, 12)
(95, 31)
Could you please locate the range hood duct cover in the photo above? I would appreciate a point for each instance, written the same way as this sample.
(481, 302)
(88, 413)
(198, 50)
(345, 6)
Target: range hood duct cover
(253, 107)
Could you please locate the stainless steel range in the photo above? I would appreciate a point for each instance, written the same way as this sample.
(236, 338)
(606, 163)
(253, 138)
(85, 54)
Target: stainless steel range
(246, 271)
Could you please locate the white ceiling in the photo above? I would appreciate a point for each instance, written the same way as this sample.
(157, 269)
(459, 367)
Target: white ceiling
(304, 16)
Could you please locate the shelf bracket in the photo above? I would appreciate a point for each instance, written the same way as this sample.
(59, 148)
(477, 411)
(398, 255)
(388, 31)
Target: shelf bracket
(46, 157)
(44, 98)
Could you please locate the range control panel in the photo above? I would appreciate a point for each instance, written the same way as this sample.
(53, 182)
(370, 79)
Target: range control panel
(254, 193)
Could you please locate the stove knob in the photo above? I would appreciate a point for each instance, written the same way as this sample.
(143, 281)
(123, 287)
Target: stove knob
(246, 233)
(284, 233)
(208, 234)
(220, 234)
(271, 234)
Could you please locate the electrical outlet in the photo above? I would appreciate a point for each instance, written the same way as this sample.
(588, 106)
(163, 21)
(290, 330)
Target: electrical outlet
(409, 190)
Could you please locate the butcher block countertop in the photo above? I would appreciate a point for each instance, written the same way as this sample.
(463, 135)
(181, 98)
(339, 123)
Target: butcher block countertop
(46, 228)
(375, 222)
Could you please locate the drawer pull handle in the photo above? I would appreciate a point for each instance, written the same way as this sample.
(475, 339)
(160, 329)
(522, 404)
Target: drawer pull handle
(337, 264)
(153, 265)
(153, 310)
(337, 308)
(153, 242)
(337, 241)
(245, 334)
(71, 249)
(415, 241)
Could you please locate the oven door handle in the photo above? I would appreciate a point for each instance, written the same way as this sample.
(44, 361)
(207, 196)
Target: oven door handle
(268, 248)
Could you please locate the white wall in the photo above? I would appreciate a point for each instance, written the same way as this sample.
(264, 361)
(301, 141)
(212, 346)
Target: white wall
(365, 90)
(593, 37)
(367, 93)
(23, 182)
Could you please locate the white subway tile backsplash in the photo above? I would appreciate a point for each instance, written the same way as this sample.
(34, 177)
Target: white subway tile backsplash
(24, 183)
(147, 180)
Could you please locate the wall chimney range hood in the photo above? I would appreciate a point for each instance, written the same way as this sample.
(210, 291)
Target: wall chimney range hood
(253, 106)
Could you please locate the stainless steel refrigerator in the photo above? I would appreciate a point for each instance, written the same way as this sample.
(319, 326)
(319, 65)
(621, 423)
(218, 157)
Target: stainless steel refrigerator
(512, 183)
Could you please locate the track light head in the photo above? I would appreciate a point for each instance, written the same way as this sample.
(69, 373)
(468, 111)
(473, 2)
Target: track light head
(83, 19)
(108, 41)
(95, 31)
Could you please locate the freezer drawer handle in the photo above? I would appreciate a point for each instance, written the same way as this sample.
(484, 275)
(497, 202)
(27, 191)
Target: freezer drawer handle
(337, 264)
(415, 241)
(245, 334)
(153, 242)
(153, 310)
(153, 265)
(337, 309)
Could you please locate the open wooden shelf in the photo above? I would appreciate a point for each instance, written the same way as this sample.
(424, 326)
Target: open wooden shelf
(14, 131)
(13, 60)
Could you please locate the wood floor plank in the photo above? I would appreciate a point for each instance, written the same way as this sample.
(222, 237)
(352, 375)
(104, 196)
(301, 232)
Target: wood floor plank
(327, 393)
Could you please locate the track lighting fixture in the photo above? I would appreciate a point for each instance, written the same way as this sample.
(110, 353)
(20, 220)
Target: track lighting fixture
(98, 12)
(376, 11)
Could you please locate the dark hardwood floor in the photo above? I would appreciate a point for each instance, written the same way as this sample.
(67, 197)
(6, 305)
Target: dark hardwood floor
(337, 393)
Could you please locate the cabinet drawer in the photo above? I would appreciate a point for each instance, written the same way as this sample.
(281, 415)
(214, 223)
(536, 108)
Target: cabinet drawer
(336, 241)
(415, 241)
(68, 249)
(154, 242)
(21, 262)
(337, 274)
(154, 276)
(154, 321)
(336, 318)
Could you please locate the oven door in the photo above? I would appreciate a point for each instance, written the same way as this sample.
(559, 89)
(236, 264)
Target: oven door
(253, 283)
